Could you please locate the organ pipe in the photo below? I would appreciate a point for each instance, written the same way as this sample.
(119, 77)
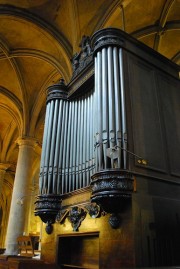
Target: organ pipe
(105, 124)
(41, 180)
(56, 175)
(117, 103)
(47, 154)
(111, 101)
(123, 112)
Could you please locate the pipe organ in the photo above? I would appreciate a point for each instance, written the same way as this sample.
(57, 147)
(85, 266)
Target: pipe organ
(86, 132)
(114, 110)
(120, 109)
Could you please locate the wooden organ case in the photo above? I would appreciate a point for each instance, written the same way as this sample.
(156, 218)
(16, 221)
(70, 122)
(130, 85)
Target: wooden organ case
(110, 154)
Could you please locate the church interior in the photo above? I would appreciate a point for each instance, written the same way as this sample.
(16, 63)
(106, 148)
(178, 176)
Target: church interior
(89, 134)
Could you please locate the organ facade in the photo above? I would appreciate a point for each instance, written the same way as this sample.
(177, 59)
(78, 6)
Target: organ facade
(109, 165)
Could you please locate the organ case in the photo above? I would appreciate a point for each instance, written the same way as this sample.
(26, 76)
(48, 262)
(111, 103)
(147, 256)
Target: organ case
(113, 125)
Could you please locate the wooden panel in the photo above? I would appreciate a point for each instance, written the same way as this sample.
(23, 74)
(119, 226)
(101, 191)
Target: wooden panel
(169, 94)
(147, 133)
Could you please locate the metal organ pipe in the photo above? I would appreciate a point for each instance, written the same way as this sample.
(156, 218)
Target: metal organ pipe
(47, 154)
(58, 149)
(80, 145)
(95, 109)
(111, 101)
(41, 179)
(51, 183)
(62, 150)
(88, 156)
(117, 103)
(69, 172)
(123, 112)
(92, 162)
(85, 142)
(74, 144)
(63, 164)
(68, 147)
(99, 105)
(105, 122)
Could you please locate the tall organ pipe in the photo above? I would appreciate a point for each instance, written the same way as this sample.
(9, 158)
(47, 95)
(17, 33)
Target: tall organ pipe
(64, 146)
(74, 144)
(111, 100)
(57, 171)
(88, 156)
(105, 122)
(85, 142)
(99, 105)
(92, 162)
(47, 154)
(69, 179)
(52, 148)
(78, 143)
(41, 179)
(49, 158)
(123, 112)
(117, 102)
(110, 79)
(48, 202)
(95, 109)
(81, 145)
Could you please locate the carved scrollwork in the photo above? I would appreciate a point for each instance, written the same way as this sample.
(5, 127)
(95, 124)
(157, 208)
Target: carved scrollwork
(94, 210)
(106, 37)
(108, 42)
(111, 189)
(82, 59)
(76, 216)
(47, 207)
(57, 91)
(112, 180)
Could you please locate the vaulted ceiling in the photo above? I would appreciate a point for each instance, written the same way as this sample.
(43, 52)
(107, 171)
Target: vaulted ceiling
(39, 37)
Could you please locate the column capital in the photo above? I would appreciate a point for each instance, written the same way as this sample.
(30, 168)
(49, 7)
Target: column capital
(27, 141)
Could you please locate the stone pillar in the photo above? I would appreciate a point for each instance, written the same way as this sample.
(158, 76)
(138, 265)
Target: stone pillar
(18, 217)
(3, 168)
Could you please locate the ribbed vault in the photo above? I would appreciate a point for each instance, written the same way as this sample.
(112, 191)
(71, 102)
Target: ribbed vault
(38, 39)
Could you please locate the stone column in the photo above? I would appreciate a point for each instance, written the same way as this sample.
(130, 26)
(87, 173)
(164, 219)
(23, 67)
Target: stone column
(3, 168)
(18, 217)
